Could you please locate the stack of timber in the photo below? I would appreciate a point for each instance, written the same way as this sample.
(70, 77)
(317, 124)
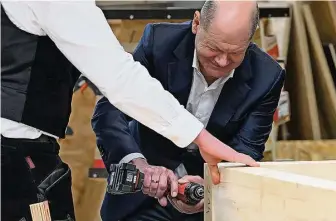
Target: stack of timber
(309, 80)
(276, 191)
(304, 122)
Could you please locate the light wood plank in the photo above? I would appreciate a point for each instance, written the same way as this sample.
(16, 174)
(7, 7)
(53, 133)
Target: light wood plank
(276, 191)
(303, 150)
(306, 150)
(324, 84)
(208, 187)
(304, 122)
(325, 11)
(40, 211)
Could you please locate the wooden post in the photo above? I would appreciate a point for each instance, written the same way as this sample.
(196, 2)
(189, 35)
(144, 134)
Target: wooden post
(304, 122)
(324, 84)
(40, 211)
(276, 191)
(78, 151)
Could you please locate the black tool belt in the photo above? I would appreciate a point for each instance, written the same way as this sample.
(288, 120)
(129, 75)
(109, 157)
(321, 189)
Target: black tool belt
(55, 185)
(25, 146)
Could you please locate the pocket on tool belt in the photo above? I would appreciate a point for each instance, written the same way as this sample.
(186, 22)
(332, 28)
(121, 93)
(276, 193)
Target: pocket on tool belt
(42, 165)
(56, 189)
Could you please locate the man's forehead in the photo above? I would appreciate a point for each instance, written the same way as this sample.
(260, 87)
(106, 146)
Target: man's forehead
(227, 47)
(226, 40)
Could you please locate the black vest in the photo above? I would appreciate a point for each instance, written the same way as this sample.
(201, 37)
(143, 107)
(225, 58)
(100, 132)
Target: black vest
(37, 80)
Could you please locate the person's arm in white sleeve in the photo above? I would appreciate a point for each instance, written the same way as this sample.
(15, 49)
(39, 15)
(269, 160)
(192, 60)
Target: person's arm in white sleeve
(80, 30)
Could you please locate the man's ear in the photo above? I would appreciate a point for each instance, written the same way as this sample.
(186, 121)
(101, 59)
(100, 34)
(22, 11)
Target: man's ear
(196, 22)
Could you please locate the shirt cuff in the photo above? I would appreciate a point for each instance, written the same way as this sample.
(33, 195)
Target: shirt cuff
(128, 158)
(184, 129)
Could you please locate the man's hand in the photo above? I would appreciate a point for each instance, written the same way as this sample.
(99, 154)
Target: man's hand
(185, 208)
(157, 180)
(214, 151)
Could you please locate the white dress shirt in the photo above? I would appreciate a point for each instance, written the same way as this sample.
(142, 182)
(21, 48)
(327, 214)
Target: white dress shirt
(80, 30)
(201, 101)
(203, 98)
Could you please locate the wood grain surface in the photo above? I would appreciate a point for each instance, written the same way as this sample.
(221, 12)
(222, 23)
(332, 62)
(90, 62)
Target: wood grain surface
(78, 152)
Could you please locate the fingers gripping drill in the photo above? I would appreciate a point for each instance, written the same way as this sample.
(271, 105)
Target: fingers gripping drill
(126, 178)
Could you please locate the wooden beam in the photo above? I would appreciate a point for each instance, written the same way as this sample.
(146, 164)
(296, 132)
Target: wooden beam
(304, 123)
(306, 150)
(78, 151)
(326, 91)
(40, 211)
(276, 191)
(325, 11)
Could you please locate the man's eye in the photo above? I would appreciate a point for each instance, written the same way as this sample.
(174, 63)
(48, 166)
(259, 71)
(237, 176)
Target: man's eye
(212, 49)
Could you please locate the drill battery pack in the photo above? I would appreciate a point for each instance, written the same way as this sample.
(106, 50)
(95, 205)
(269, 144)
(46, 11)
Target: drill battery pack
(124, 178)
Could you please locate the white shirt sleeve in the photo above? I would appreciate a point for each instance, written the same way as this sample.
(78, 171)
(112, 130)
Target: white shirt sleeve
(129, 157)
(81, 32)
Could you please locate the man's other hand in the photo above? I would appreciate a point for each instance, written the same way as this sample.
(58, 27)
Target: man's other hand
(185, 208)
(214, 151)
(157, 180)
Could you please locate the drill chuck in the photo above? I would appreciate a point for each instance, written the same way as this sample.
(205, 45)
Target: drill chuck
(191, 193)
(198, 193)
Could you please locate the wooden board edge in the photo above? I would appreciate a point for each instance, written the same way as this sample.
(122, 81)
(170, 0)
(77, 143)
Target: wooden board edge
(229, 200)
(273, 163)
(288, 177)
(208, 187)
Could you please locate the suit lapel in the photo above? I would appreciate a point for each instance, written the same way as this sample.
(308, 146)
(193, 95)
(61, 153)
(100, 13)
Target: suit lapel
(180, 71)
(232, 95)
(180, 76)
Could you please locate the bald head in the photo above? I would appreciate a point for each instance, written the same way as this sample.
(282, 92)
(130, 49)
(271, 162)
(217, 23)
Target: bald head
(231, 14)
(223, 30)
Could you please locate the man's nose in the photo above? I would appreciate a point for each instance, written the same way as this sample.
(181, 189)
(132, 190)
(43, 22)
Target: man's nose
(222, 60)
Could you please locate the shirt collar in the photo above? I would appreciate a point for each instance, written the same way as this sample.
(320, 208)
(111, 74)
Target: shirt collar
(221, 80)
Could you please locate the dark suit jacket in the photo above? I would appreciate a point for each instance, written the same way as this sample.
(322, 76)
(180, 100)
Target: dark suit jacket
(242, 117)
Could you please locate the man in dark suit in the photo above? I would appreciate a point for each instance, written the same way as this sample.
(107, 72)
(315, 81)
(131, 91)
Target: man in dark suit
(211, 67)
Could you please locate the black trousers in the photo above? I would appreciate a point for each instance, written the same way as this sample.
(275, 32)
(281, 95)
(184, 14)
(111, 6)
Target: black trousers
(32, 172)
(151, 210)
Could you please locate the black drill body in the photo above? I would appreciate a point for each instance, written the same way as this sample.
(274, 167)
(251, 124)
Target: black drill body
(126, 178)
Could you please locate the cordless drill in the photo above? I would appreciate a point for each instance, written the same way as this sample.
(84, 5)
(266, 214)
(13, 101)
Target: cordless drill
(126, 178)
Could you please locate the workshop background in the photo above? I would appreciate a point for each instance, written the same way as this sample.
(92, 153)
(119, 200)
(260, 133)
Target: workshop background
(301, 36)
